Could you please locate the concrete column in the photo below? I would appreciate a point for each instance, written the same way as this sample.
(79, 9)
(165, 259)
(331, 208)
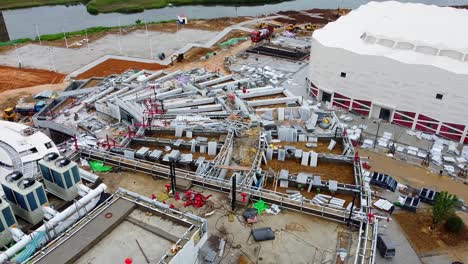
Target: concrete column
(465, 132)
(351, 104)
(439, 126)
(415, 121)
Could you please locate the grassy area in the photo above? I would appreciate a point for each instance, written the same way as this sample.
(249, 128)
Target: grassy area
(12, 4)
(126, 6)
(133, 6)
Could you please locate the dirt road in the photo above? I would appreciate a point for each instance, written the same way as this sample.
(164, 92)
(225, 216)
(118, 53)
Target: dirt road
(13, 78)
(413, 175)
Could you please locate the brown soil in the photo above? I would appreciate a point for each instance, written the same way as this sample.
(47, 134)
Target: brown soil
(13, 78)
(270, 106)
(285, 20)
(245, 147)
(114, 66)
(322, 147)
(417, 229)
(274, 96)
(413, 175)
(92, 83)
(301, 19)
(194, 54)
(338, 171)
(9, 98)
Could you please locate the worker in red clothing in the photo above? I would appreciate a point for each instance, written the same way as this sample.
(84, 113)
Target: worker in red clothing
(244, 89)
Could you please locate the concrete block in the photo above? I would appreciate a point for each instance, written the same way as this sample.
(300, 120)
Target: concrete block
(269, 154)
(281, 155)
(302, 138)
(332, 144)
(298, 153)
(332, 185)
(193, 147)
(280, 114)
(284, 174)
(284, 183)
(313, 159)
(305, 159)
(179, 130)
(188, 133)
(202, 149)
(212, 145)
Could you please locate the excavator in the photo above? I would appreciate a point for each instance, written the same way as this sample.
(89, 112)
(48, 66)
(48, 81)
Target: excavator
(9, 114)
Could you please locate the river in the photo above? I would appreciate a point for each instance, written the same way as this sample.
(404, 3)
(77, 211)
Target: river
(23, 23)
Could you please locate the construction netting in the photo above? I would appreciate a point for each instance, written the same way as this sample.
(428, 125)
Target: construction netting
(99, 166)
(232, 42)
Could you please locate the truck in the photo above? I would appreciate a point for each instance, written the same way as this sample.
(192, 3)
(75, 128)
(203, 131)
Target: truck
(28, 108)
(261, 34)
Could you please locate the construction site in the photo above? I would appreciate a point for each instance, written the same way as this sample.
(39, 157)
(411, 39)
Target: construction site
(214, 149)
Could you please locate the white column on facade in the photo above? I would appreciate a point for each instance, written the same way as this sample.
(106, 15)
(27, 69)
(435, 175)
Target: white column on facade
(465, 132)
(415, 121)
(439, 126)
(351, 104)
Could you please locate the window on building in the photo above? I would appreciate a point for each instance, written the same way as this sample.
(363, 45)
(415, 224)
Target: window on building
(439, 96)
(343, 74)
(48, 145)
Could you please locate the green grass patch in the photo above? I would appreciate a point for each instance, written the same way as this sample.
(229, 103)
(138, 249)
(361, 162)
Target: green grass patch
(134, 6)
(57, 36)
(13, 4)
(14, 42)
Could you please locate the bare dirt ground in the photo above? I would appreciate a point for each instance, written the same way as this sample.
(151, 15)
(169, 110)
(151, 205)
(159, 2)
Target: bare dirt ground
(9, 98)
(13, 78)
(113, 66)
(426, 241)
(414, 175)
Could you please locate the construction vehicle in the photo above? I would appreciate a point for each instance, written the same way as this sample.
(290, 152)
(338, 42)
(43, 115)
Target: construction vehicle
(290, 27)
(29, 108)
(310, 27)
(259, 35)
(9, 114)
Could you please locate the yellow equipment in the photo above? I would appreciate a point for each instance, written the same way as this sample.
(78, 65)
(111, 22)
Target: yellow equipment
(9, 114)
(310, 27)
(262, 25)
(290, 27)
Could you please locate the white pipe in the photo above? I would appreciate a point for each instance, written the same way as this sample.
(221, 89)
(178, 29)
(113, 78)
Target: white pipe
(84, 188)
(10, 252)
(16, 233)
(49, 213)
(74, 218)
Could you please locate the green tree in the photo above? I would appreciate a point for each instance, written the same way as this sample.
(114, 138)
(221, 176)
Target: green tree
(443, 206)
(455, 224)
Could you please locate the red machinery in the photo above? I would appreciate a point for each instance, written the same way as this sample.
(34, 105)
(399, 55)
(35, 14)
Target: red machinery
(196, 199)
(261, 34)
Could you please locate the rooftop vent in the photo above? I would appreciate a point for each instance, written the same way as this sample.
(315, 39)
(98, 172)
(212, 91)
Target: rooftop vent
(14, 176)
(62, 162)
(51, 156)
(25, 183)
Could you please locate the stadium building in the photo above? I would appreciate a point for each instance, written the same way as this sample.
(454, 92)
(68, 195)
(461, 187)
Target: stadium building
(401, 62)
